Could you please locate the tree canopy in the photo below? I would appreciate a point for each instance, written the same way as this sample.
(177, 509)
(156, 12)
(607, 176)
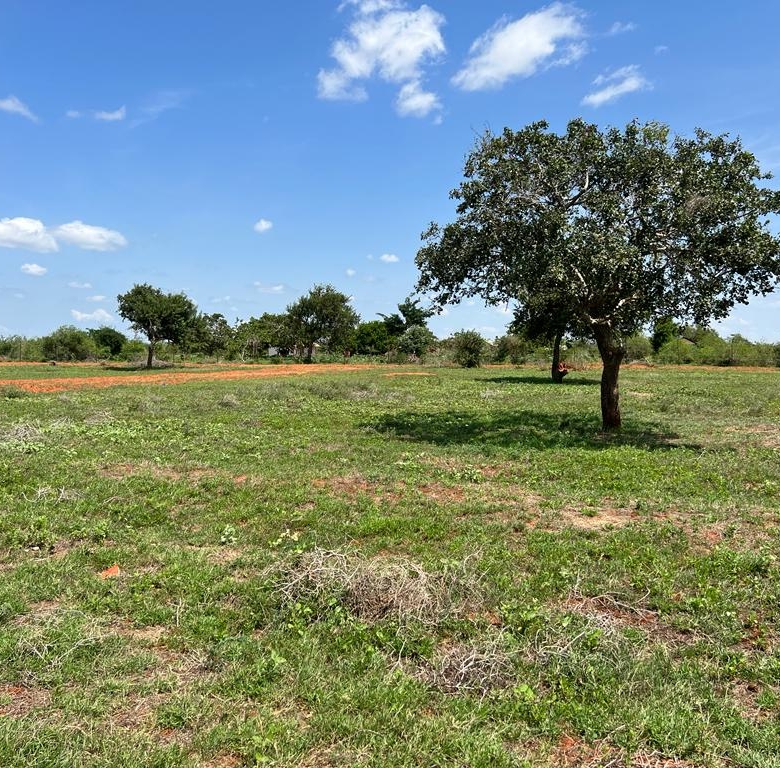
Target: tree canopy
(159, 316)
(628, 225)
(322, 316)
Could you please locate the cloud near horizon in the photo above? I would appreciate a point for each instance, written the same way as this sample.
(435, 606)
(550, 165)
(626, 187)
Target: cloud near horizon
(552, 36)
(99, 315)
(33, 235)
(388, 40)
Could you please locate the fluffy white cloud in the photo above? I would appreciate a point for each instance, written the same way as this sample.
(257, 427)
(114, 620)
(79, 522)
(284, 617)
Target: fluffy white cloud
(388, 40)
(111, 117)
(389, 258)
(98, 316)
(263, 225)
(14, 106)
(73, 114)
(36, 270)
(30, 234)
(616, 84)
(414, 101)
(96, 298)
(548, 37)
(89, 237)
(77, 284)
(350, 272)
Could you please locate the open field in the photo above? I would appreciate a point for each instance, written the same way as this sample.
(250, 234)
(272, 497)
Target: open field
(352, 568)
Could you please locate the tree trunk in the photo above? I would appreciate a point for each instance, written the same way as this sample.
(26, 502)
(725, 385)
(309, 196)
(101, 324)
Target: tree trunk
(556, 371)
(150, 355)
(612, 353)
(309, 352)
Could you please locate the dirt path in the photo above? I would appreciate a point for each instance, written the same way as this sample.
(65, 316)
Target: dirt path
(177, 377)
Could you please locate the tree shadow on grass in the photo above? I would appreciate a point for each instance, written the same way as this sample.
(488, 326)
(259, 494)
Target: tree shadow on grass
(522, 430)
(568, 382)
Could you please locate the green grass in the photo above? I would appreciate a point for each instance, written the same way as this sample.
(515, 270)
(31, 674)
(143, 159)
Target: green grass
(356, 569)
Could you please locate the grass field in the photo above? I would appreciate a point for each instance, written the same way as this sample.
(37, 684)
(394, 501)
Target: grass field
(362, 569)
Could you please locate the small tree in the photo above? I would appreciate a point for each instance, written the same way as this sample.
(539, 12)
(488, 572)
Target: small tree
(159, 316)
(372, 338)
(469, 349)
(416, 341)
(68, 343)
(628, 225)
(323, 316)
(108, 339)
(409, 315)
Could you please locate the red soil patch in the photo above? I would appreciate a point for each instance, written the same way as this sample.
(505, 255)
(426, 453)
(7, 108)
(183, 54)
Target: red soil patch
(178, 377)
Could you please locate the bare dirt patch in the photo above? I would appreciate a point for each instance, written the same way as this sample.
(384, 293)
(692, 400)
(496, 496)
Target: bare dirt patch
(352, 486)
(121, 471)
(572, 752)
(18, 700)
(178, 377)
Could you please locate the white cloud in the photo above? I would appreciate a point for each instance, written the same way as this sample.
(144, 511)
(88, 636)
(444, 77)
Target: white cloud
(621, 27)
(111, 117)
(89, 237)
(73, 114)
(99, 315)
(77, 284)
(29, 234)
(548, 37)
(661, 49)
(275, 289)
(616, 84)
(96, 298)
(263, 225)
(388, 40)
(36, 270)
(14, 106)
(415, 102)
(351, 272)
(389, 258)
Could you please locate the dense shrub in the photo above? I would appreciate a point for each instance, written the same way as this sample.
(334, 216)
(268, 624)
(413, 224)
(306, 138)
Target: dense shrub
(469, 349)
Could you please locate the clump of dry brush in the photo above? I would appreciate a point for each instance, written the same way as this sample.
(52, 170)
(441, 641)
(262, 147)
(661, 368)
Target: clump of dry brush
(381, 587)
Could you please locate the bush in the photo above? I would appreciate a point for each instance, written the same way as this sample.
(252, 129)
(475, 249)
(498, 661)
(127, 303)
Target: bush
(469, 349)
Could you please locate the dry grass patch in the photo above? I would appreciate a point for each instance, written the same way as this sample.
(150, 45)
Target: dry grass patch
(18, 700)
(351, 487)
(381, 587)
(127, 469)
(571, 752)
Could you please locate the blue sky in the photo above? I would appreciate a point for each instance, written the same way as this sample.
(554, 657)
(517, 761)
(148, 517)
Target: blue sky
(243, 151)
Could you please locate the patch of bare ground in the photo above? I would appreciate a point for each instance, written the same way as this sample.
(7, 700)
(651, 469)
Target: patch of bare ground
(443, 493)
(222, 760)
(765, 435)
(38, 613)
(597, 518)
(217, 555)
(572, 752)
(19, 701)
(352, 486)
(121, 471)
(333, 757)
(611, 613)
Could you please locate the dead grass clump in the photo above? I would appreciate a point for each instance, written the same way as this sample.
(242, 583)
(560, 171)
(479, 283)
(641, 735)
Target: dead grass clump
(475, 668)
(382, 587)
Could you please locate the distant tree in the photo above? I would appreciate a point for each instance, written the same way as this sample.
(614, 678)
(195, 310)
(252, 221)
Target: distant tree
(68, 343)
(322, 316)
(258, 335)
(630, 225)
(159, 316)
(409, 315)
(214, 334)
(469, 349)
(372, 338)
(511, 347)
(638, 347)
(416, 341)
(108, 339)
(664, 330)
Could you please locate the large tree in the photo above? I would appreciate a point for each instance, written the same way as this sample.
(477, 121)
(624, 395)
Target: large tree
(628, 224)
(159, 316)
(322, 316)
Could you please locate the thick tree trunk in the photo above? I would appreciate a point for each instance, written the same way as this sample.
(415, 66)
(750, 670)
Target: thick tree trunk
(309, 352)
(612, 353)
(556, 371)
(150, 355)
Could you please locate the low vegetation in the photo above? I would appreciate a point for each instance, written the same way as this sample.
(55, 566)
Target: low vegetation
(383, 569)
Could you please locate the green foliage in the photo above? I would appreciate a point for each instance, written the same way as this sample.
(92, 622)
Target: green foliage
(469, 349)
(159, 316)
(416, 341)
(409, 314)
(68, 343)
(664, 330)
(108, 340)
(638, 347)
(323, 316)
(686, 231)
(372, 338)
